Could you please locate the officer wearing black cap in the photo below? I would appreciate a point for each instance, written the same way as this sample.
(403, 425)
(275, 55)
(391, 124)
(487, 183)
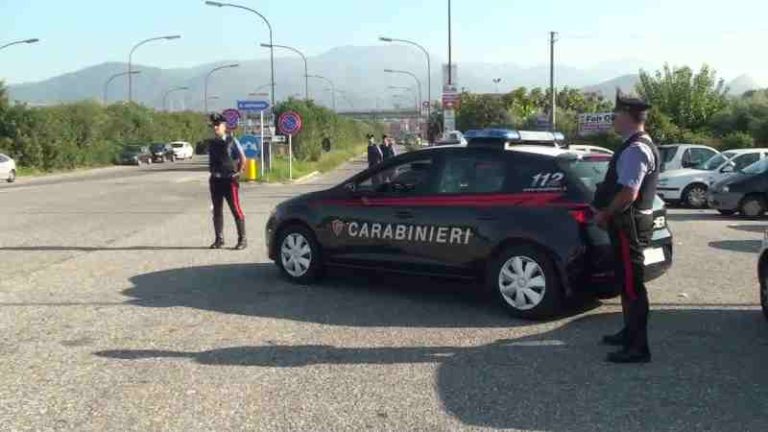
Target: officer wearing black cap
(226, 162)
(623, 204)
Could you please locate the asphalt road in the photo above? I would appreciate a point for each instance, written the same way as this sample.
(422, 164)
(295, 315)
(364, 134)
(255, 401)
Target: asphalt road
(114, 316)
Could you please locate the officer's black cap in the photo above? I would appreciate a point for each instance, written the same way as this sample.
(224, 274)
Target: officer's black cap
(217, 119)
(630, 104)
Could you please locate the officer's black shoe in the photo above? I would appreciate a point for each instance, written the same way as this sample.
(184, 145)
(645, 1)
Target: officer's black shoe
(218, 244)
(618, 339)
(629, 356)
(241, 244)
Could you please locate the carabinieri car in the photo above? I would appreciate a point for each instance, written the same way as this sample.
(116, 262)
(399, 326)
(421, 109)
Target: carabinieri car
(514, 216)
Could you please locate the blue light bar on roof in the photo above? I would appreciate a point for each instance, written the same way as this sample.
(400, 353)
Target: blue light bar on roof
(507, 134)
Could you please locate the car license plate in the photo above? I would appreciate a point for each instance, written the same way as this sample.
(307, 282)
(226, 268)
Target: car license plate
(653, 256)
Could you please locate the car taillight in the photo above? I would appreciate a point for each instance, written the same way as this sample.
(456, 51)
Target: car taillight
(582, 216)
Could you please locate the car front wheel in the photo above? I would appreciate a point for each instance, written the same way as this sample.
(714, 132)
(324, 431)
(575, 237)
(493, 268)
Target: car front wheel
(695, 196)
(298, 255)
(11, 176)
(753, 206)
(524, 281)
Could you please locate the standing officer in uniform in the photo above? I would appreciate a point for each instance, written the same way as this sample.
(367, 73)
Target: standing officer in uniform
(624, 203)
(375, 156)
(226, 162)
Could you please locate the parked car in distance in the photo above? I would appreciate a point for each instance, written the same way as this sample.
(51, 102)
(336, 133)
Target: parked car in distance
(745, 192)
(452, 138)
(689, 186)
(162, 153)
(678, 156)
(135, 155)
(590, 149)
(183, 150)
(7, 168)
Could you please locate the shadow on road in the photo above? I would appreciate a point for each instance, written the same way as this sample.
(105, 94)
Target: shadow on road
(750, 228)
(344, 298)
(748, 246)
(708, 374)
(698, 215)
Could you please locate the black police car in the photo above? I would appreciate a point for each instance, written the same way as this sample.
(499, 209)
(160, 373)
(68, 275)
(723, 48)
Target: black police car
(515, 216)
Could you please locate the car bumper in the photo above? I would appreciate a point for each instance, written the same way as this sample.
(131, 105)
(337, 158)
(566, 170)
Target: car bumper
(725, 200)
(668, 193)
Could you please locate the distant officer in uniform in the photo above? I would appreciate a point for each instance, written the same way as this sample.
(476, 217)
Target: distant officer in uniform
(623, 204)
(375, 156)
(226, 162)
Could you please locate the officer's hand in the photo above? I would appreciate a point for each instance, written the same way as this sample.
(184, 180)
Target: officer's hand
(601, 219)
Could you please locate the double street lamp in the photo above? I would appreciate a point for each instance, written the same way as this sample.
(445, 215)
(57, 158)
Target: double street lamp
(410, 89)
(19, 42)
(333, 87)
(112, 78)
(303, 57)
(130, 60)
(402, 72)
(429, 61)
(169, 91)
(205, 86)
(271, 50)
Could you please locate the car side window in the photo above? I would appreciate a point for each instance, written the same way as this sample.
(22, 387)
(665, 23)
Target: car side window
(408, 178)
(534, 174)
(746, 160)
(474, 174)
(696, 156)
(3, 158)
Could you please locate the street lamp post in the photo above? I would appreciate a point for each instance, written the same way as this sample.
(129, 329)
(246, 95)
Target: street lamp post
(418, 82)
(303, 57)
(205, 84)
(410, 89)
(19, 42)
(112, 78)
(257, 92)
(130, 60)
(271, 40)
(169, 91)
(429, 62)
(333, 94)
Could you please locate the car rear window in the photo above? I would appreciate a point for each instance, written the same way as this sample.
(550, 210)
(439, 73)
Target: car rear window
(586, 172)
(177, 145)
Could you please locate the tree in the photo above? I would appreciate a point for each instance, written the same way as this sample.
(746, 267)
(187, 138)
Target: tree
(689, 100)
(481, 111)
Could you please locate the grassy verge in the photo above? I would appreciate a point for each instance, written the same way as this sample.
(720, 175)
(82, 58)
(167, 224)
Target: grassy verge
(327, 162)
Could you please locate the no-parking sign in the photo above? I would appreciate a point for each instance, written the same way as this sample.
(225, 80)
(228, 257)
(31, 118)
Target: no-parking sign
(233, 118)
(289, 123)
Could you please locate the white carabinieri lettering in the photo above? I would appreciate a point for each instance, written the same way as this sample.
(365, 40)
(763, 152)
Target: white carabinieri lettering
(410, 233)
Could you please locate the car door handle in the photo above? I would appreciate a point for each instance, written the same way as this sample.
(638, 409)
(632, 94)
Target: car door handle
(404, 214)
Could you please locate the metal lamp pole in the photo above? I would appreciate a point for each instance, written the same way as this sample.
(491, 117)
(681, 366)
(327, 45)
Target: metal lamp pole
(19, 42)
(205, 91)
(130, 60)
(333, 87)
(410, 89)
(112, 78)
(418, 82)
(271, 40)
(169, 91)
(429, 62)
(303, 57)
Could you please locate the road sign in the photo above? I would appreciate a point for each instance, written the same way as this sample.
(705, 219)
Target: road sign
(289, 123)
(251, 146)
(233, 118)
(253, 105)
(593, 123)
(279, 139)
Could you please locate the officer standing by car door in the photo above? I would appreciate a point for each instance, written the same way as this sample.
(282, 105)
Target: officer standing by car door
(226, 162)
(624, 203)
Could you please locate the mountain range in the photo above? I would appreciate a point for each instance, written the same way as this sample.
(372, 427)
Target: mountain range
(357, 71)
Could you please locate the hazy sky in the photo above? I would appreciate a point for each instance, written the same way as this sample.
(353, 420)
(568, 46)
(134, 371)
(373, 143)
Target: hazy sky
(730, 35)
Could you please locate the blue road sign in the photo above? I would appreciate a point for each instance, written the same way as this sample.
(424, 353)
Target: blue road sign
(251, 146)
(252, 105)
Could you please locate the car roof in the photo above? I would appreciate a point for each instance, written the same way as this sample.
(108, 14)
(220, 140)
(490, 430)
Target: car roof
(743, 151)
(686, 145)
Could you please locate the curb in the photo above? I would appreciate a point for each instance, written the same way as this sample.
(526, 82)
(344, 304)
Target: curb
(307, 177)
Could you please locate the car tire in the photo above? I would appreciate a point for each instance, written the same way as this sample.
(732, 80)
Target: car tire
(695, 196)
(524, 281)
(11, 176)
(299, 255)
(727, 212)
(752, 206)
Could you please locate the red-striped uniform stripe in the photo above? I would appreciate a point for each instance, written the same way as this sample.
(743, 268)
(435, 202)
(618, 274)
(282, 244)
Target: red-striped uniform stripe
(236, 199)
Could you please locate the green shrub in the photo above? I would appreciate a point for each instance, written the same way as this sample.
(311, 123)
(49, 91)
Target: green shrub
(738, 140)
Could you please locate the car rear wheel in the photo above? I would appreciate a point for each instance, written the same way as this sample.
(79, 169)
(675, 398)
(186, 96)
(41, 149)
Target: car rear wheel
(11, 176)
(524, 282)
(753, 206)
(298, 254)
(695, 196)
(727, 212)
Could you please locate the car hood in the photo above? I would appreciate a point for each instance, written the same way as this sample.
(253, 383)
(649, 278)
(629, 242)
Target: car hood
(733, 179)
(683, 173)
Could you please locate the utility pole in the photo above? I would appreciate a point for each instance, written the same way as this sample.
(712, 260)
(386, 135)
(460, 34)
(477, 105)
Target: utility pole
(553, 107)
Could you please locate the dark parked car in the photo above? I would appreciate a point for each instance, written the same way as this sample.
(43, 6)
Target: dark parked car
(201, 148)
(135, 155)
(516, 217)
(162, 153)
(745, 192)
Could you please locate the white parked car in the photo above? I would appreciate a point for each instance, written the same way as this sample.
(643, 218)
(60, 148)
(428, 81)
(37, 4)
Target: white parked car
(7, 168)
(452, 138)
(591, 149)
(689, 186)
(182, 150)
(678, 156)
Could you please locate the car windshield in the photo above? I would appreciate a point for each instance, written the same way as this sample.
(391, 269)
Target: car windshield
(759, 167)
(177, 145)
(587, 171)
(668, 153)
(158, 147)
(714, 162)
(133, 149)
